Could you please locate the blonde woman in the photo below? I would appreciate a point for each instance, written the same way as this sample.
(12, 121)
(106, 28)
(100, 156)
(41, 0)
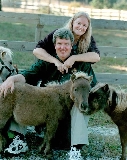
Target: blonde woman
(83, 50)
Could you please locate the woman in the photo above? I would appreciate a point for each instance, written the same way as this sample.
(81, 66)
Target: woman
(84, 50)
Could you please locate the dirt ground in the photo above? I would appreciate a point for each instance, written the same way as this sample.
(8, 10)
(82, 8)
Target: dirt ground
(97, 149)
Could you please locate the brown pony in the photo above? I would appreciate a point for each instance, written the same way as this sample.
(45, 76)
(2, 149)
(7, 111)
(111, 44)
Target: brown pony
(35, 106)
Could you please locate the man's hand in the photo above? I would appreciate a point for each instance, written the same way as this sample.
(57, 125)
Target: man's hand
(59, 66)
(8, 84)
(68, 63)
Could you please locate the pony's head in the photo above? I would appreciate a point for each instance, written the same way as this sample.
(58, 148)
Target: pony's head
(6, 65)
(98, 98)
(80, 89)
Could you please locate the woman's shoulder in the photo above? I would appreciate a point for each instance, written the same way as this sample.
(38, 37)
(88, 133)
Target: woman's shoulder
(93, 47)
(51, 33)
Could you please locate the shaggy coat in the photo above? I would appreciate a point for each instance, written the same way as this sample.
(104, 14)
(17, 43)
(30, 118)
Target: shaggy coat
(114, 103)
(35, 106)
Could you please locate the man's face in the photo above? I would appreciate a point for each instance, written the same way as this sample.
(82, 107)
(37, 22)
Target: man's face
(63, 48)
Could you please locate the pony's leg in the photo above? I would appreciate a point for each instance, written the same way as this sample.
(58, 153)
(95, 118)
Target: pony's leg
(4, 120)
(3, 133)
(41, 147)
(2, 142)
(123, 138)
(51, 127)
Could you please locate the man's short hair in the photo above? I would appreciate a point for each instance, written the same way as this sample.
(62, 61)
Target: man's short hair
(63, 33)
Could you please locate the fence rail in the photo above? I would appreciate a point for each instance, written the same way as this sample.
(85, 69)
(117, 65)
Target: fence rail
(106, 51)
(41, 20)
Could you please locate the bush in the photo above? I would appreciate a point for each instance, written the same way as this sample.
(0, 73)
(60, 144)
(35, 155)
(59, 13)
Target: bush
(121, 5)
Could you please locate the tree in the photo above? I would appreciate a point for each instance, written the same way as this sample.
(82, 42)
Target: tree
(103, 3)
(97, 3)
(121, 5)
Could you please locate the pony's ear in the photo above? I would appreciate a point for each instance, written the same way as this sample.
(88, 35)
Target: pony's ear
(3, 54)
(106, 88)
(73, 77)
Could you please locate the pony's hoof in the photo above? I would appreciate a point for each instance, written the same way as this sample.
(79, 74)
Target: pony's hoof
(49, 156)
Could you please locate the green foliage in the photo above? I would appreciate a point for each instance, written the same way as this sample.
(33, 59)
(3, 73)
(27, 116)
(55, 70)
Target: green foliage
(121, 5)
(97, 4)
(102, 3)
(116, 4)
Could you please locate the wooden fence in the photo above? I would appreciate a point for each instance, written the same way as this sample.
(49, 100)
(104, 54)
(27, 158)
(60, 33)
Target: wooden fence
(42, 19)
(36, 6)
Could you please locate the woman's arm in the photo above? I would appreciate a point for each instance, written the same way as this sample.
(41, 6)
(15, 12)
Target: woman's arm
(42, 54)
(85, 57)
(45, 49)
(92, 55)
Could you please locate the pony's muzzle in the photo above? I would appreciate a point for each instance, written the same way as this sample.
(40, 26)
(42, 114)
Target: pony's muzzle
(83, 107)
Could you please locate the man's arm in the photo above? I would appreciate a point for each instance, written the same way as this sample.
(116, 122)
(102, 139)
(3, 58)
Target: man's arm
(9, 83)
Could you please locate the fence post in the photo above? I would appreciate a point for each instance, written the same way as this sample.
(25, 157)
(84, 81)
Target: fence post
(119, 14)
(38, 32)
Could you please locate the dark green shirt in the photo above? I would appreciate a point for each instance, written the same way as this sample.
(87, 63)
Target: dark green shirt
(46, 72)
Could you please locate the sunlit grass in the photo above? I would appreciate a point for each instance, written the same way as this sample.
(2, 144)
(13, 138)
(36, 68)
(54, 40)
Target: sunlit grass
(106, 37)
(111, 65)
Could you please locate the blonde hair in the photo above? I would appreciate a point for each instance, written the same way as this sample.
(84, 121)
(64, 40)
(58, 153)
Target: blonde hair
(85, 39)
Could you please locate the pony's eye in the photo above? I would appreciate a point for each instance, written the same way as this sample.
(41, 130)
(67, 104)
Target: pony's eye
(75, 89)
(10, 62)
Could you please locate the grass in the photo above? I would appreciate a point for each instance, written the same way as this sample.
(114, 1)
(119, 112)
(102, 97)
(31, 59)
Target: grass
(107, 37)
(23, 32)
(104, 37)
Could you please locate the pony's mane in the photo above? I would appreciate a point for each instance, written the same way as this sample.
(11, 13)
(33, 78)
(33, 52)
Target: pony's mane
(121, 98)
(54, 83)
(77, 74)
(81, 74)
(97, 86)
(7, 50)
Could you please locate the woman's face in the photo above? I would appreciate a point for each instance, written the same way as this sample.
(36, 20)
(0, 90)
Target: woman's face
(80, 26)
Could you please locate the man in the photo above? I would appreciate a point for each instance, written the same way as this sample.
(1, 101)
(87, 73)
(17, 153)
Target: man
(45, 72)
